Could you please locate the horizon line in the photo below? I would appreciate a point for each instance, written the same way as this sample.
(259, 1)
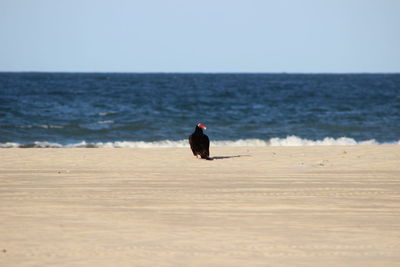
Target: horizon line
(198, 72)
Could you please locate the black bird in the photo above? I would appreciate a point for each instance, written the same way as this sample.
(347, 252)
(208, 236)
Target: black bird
(199, 142)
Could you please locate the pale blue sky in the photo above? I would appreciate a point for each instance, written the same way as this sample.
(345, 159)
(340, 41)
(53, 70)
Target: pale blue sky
(200, 36)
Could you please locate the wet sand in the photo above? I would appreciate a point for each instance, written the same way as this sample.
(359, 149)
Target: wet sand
(250, 206)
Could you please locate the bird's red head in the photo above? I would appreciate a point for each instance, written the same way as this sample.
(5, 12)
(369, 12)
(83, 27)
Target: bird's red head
(202, 126)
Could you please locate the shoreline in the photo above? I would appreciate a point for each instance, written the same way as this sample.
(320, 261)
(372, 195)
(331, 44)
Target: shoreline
(250, 206)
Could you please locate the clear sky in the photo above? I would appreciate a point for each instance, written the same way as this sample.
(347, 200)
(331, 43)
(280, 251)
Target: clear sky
(200, 36)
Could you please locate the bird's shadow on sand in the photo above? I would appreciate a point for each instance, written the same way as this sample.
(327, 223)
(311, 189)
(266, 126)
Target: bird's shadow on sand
(228, 157)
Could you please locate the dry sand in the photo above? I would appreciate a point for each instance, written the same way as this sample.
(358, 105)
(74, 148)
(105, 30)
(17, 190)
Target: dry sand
(263, 206)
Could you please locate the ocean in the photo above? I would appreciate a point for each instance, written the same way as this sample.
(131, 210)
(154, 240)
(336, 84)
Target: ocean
(161, 110)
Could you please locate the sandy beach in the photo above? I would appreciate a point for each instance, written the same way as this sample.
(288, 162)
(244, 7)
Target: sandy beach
(250, 206)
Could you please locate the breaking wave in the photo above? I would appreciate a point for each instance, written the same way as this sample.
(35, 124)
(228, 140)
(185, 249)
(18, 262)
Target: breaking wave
(288, 141)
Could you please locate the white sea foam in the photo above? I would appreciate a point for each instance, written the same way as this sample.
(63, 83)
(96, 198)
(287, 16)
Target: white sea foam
(130, 144)
(106, 122)
(327, 141)
(34, 144)
(241, 142)
(107, 113)
(44, 126)
(9, 145)
(288, 141)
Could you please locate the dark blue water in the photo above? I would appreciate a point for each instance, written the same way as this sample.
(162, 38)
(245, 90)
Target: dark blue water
(68, 108)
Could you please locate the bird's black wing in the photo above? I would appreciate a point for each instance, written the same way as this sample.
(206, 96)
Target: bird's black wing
(206, 142)
(192, 145)
(205, 146)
